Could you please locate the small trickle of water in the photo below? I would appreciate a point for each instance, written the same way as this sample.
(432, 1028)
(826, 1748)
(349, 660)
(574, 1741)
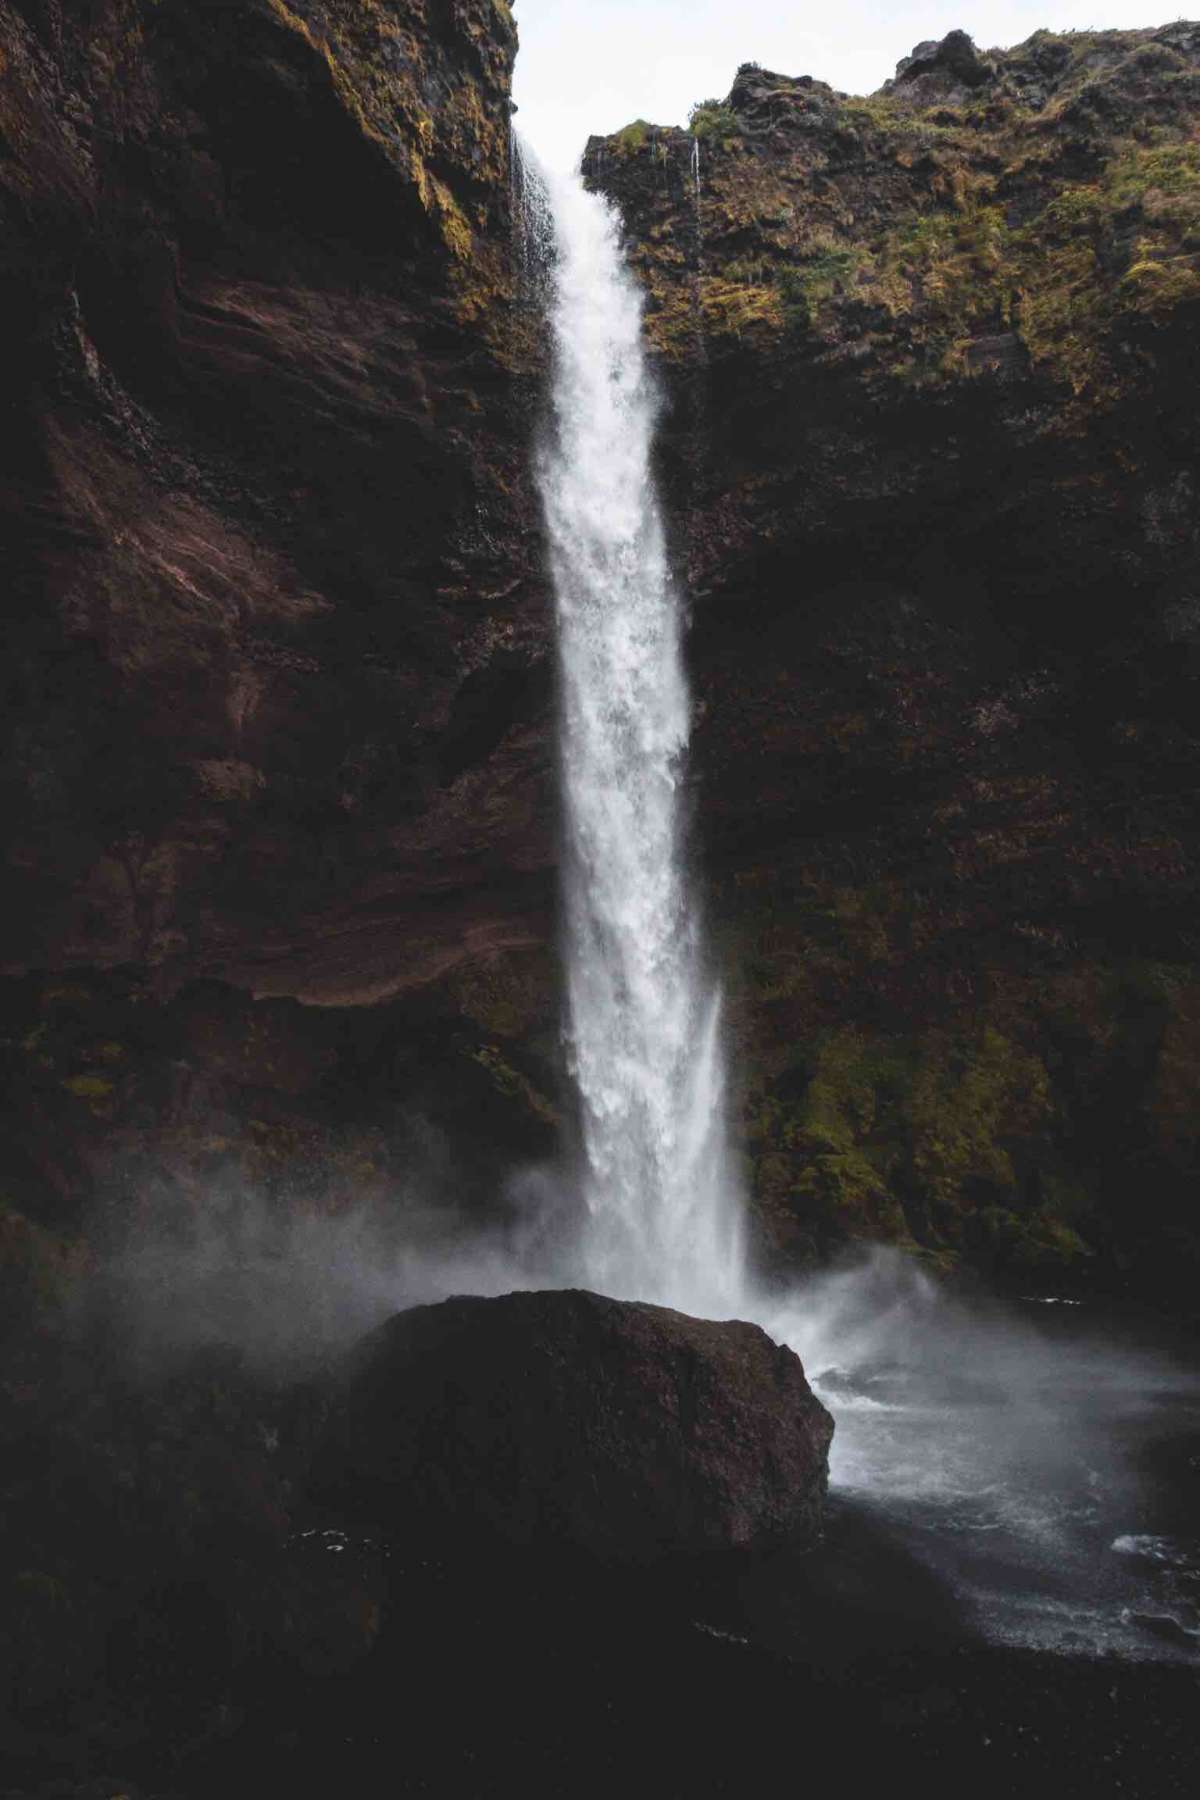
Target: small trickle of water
(643, 1017)
(533, 223)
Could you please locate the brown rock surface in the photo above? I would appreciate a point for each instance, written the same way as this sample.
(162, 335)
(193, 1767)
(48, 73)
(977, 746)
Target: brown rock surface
(275, 636)
(275, 592)
(625, 1430)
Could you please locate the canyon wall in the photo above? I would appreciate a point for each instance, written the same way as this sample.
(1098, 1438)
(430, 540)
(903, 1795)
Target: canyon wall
(279, 771)
(279, 765)
(932, 372)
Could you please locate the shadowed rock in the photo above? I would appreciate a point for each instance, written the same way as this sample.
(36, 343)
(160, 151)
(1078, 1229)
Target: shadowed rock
(954, 61)
(621, 1429)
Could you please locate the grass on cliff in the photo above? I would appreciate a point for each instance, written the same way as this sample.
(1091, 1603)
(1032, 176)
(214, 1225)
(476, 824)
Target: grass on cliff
(1023, 1136)
(914, 1142)
(1097, 256)
(713, 122)
(1003, 234)
(632, 137)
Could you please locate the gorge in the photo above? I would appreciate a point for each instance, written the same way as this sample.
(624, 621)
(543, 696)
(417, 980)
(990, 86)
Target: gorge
(874, 477)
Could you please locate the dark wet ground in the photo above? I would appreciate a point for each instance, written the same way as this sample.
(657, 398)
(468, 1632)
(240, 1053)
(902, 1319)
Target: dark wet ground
(848, 1667)
(877, 1662)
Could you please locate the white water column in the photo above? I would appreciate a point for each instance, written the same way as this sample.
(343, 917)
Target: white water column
(663, 1219)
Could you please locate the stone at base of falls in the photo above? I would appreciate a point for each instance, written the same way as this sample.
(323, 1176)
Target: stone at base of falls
(563, 1418)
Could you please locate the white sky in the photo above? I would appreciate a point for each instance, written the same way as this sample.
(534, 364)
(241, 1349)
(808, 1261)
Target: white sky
(593, 65)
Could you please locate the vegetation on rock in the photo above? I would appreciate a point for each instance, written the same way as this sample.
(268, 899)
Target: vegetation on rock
(1054, 197)
(711, 121)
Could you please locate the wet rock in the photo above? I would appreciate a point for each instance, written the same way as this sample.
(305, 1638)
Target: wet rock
(566, 1419)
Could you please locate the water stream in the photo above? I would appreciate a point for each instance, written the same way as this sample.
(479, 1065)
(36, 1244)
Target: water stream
(644, 1026)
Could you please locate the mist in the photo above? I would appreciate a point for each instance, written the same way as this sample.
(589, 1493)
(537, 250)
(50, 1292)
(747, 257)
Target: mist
(291, 1286)
(1011, 1446)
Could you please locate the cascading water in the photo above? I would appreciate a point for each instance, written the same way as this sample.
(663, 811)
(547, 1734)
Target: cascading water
(662, 1219)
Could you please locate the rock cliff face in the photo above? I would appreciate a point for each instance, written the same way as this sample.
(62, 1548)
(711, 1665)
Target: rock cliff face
(279, 765)
(275, 627)
(931, 446)
(278, 900)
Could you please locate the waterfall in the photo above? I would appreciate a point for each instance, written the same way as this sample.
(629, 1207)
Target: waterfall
(643, 1017)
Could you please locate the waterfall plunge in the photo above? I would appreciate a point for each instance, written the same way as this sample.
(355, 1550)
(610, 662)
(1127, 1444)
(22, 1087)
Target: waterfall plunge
(663, 1222)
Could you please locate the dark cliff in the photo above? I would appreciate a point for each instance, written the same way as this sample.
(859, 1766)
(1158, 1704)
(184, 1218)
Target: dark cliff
(276, 646)
(932, 378)
(278, 766)
(278, 779)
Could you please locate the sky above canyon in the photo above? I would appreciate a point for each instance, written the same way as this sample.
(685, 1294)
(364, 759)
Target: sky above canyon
(593, 65)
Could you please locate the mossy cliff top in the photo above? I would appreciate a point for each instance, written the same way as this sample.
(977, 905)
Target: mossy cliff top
(1040, 204)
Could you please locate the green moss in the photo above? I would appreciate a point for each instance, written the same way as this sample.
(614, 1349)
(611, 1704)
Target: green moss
(963, 1110)
(1157, 286)
(890, 128)
(512, 1084)
(806, 288)
(1103, 250)
(631, 137)
(1124, 244)
(713, 122)
(919, 290)
(89, 1087)
(898, 1139)
(452, 221)
(1038, 1242)
(823, 1166)
(731, 308)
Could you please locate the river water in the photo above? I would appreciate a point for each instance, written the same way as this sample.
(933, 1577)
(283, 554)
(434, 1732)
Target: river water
(1039, 1455)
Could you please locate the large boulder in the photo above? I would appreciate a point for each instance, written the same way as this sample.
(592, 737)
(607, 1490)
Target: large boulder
(566, 1419)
